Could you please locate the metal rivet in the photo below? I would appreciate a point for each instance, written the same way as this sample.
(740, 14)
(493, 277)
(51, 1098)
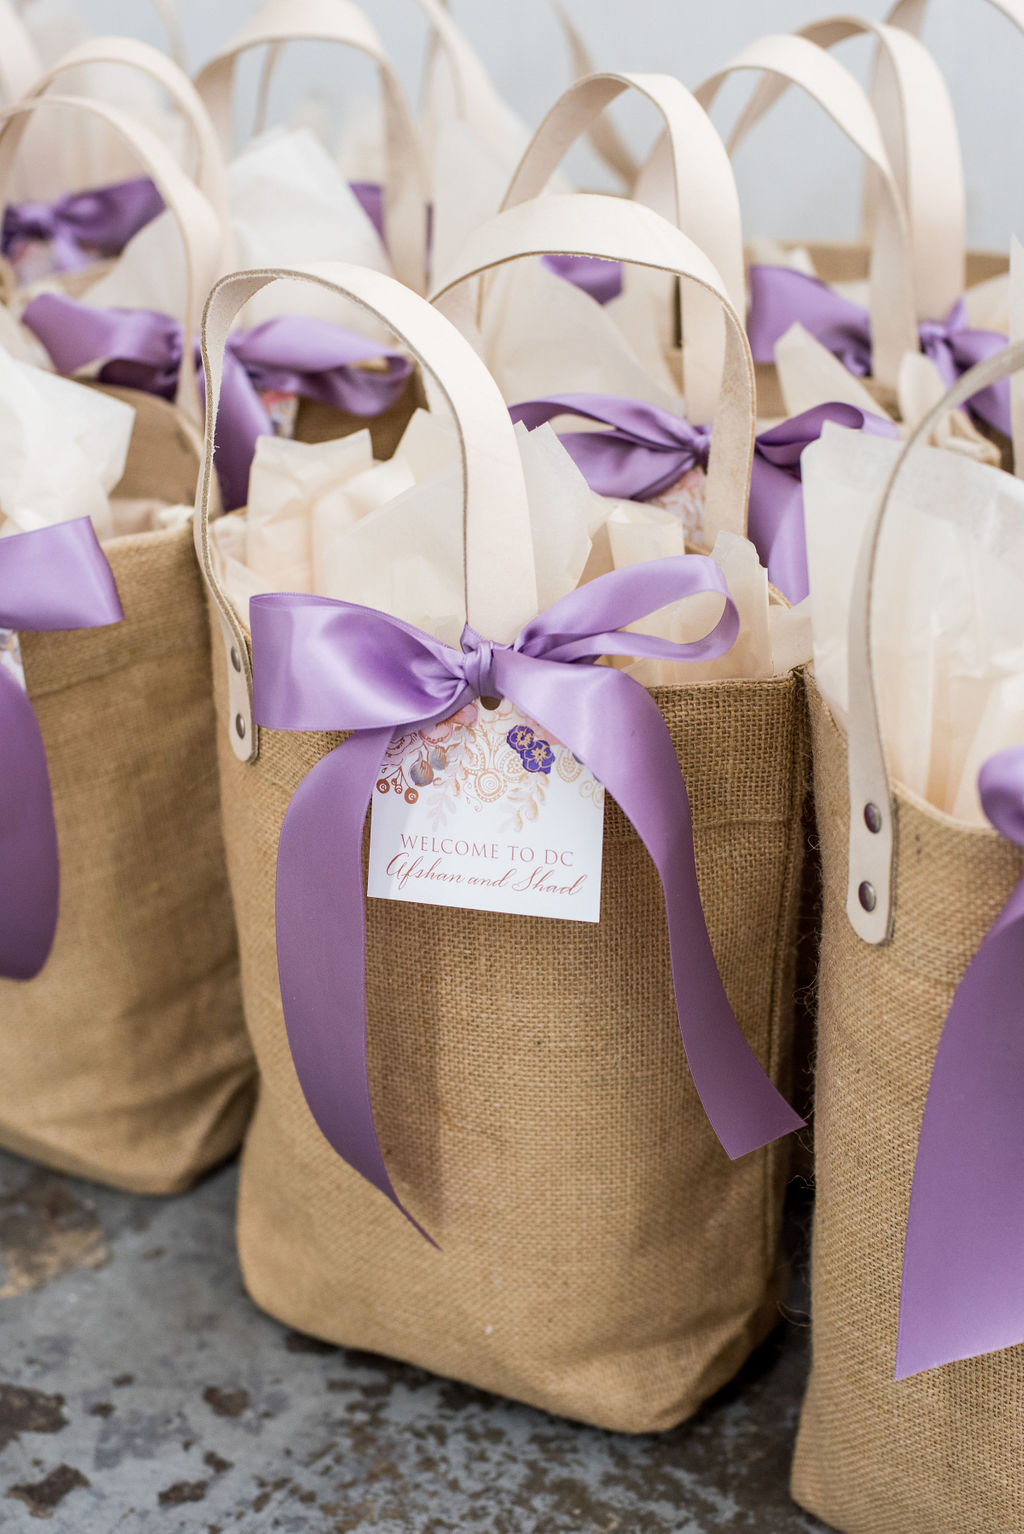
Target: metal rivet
(240, 726)
(236, 659)
(867, 896)
(873, 818)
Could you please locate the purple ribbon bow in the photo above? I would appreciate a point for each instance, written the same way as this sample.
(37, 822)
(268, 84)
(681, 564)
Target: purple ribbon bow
(55, 578)
(647, 450)
(141, 349)
(964, 1252)
(83, 225)
(780, 297)
(319, 664)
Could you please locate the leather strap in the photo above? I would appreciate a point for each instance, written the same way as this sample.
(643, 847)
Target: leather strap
(210, 168)
(910, 14)
(835, 90)
(699, 197)
(920, 132)
(278, 22)
(603, 136)
(614, 229)
(873, 828)
(499, 571)
(20, 63)
(167, 10)
(197, 223)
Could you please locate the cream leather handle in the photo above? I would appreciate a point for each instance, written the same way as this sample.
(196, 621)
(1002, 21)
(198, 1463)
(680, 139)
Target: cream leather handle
(20, 63)
(614, 229)
(210, 168)
(501, 588)
(910, 14)
(167, 10)
(920, 132)
(278, 22)
(197, 223)
(477, 100)
(834, 89)
(604, 138)
(872, 816)
(699, 196)
(706, 204)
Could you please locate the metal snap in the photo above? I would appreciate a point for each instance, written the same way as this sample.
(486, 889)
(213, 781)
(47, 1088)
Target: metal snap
(873, 818)
(240, 726)
(867, 896)
(236, 659)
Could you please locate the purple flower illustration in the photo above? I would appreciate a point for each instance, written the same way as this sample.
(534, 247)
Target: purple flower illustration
(538, 757)
(520, 737)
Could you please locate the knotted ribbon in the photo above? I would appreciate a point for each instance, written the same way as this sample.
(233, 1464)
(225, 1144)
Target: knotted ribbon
(964, 1253)
(781, 297)
(83, 225)
(141, 349)
(647, 450)
(54, 578)
(320, 664)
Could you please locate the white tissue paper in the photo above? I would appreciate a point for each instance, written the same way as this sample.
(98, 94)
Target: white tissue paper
(290, 205)
(326, 519)
(948, 642)
(62, 449)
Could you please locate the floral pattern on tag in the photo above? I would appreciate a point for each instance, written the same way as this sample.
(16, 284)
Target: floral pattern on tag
(486, 810)
(685, 500)
(10, 657)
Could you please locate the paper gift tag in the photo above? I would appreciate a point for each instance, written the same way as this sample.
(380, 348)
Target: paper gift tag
(10, 657)
(487, 812)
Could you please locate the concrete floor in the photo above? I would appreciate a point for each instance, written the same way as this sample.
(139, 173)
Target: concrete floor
(140, 1390)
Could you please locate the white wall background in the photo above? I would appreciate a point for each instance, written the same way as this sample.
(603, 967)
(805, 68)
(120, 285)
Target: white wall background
(797, 176)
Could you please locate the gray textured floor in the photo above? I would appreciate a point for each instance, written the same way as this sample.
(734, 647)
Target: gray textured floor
(140, 1390)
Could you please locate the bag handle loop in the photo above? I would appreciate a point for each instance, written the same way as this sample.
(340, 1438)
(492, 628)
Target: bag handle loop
(920, 132)
(500, 582)
(872, 815)
(700, 198)
(834, 89)
(613, 229)
(278, 22)
(210, 168)
(197, 223)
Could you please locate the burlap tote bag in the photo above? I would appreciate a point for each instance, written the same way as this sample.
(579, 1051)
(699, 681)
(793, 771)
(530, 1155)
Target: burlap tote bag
(902, 1429)
(601, 1256)
(124, 1055)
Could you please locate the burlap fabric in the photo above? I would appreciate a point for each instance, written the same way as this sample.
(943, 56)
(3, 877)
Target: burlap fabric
(601, 1256)
(126, 1059)
(943, 1452)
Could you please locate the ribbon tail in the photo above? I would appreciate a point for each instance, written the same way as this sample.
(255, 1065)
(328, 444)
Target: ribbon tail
(29, 865)
(964, 1255)
(321, 944)
(611, 723)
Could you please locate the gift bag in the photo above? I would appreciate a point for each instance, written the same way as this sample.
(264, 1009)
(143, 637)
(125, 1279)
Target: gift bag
(913, 1414)
(68, 242)
(532, 1109)
(123, 1053)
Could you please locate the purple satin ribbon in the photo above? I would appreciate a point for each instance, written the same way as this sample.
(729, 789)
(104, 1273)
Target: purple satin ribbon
(83, 225)
(780, 297)
(647, 450)
(320, 665)
(52, 579)
(141, 349)
(963, 1263)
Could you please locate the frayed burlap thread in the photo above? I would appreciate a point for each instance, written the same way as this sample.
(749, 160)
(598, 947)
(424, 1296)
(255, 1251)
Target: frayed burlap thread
(601, 1257)
(943, 1452)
